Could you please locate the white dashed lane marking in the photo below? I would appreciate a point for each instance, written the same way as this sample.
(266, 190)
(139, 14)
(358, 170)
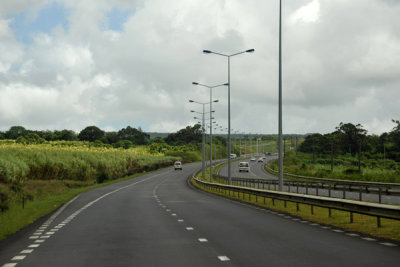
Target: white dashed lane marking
(203, 240)
(223, 258)
(26, 251)
(18, 258)
(9, 265)
(189, 228)
(369, 239)
(34, 246)
(180, 220)
(388, 244)
(352, 234)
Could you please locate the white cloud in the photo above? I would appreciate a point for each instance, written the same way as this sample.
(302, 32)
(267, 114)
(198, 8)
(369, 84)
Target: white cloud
(338, 65)
(307, 13)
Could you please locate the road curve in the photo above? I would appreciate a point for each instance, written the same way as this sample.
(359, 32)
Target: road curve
(256, 170)
(160, 220)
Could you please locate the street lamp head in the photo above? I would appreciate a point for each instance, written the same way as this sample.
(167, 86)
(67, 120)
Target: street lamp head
(226, 84)
(195, 83)
(216, 101)
(250, 51)
(191, 101)
(192, 111)
(207, 52)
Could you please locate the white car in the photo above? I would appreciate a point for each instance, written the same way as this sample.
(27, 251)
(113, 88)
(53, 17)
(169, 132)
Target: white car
(178, 165)
(253, 159)
(244, 166)
(260, 160)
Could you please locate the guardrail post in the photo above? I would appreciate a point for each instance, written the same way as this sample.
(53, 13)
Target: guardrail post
(256, 198)
(264, 200)
(351, 217)
(312, 209)
(380, 195)
(273, 202)
(289, 186)
(344, 192)
(378, 221)
(329, 191)
(306, 189)
(297, 190)
(360, 197)
(297, 206)
(316, 188)
(330, 212)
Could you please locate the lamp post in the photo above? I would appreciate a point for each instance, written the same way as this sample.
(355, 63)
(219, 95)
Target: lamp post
(210, 87)
(229, 103)
(203, 135)
(280, 100)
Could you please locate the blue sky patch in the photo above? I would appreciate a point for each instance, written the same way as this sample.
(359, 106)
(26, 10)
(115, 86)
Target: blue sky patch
(48, 18)
(117, 17)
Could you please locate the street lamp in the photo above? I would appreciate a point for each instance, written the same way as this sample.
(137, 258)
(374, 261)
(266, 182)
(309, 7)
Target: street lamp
(280, 187)
(210, 87)
(203, 130)
(229, 103)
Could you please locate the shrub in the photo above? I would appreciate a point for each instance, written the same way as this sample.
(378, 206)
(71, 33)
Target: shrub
(102, 177)
(351, 171)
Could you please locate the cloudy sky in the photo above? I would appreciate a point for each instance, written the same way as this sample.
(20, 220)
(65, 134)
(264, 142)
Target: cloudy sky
(67, 64)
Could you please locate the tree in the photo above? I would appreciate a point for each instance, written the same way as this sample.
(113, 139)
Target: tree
(186, 135)
(91, 133)
(66, 135)
(134, 135)
(15, 131)
(351, 136)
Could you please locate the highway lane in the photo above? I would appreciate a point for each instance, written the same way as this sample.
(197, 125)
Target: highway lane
(257, 172)
(159, 220)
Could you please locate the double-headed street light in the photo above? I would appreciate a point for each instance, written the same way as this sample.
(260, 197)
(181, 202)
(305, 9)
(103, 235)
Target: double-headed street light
(210, 87)
(229, 104)
(203, 130)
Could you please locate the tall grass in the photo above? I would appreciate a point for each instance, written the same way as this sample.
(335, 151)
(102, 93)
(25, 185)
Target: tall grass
(72, 162)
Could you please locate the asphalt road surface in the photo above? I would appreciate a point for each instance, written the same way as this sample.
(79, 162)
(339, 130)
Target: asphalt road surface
(160, 220)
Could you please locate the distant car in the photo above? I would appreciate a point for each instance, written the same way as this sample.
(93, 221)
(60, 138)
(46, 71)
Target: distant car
(269, 153)
(178, 165)
(244, 166)
(253, 159)
(260, 160)
(233, 156)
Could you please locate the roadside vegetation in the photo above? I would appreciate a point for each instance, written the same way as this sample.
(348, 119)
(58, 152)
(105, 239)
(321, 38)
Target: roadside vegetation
(347, 153)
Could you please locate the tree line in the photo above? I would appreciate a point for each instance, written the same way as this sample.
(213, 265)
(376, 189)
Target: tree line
(353, 140)
(125, 138)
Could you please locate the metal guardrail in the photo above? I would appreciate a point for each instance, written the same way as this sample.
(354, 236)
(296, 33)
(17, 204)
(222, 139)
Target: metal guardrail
(388, 189)
(352, 206)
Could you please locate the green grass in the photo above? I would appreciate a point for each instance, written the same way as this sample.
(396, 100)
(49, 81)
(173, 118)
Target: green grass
(345, 168)
(389, 229)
